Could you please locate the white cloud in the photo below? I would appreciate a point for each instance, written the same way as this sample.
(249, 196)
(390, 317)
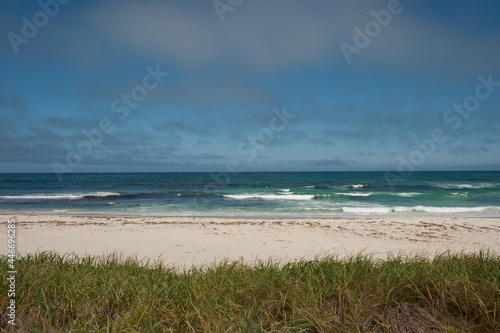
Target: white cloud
(273, 36)
(260, 35)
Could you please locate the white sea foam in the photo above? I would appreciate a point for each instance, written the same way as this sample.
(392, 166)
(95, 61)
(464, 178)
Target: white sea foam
(364, 210)
(367, 194)
(101, 194)
(426, 209)
(43, 196)
(460, 186)
(52, 196)
(270, 196)
(356, 194)
(349, 187)
(406, 194)
(452, 209)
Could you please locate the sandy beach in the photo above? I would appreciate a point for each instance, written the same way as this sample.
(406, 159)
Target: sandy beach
(183, 242)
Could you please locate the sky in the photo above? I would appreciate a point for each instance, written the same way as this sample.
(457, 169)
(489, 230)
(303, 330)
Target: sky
(249, 85)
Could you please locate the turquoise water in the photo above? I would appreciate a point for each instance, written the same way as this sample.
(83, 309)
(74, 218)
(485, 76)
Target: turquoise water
(257, 194)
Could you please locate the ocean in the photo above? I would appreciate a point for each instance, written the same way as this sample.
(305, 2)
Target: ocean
(257, 194)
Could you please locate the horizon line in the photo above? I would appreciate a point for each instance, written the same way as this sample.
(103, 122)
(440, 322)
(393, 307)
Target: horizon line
(268, 171)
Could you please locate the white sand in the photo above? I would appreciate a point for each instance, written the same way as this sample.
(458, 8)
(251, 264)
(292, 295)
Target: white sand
(186, 241)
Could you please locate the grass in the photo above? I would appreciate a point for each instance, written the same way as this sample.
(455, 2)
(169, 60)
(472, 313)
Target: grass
(449, 293)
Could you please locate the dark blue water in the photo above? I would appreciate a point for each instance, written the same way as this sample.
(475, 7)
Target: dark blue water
(285, 194)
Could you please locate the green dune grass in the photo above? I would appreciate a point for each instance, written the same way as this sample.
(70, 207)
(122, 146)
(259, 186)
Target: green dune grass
(449, 293)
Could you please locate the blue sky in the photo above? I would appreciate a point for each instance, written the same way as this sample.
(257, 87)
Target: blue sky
(263, 85)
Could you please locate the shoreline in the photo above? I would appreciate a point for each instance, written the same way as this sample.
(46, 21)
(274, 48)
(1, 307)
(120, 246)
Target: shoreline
(188, 241)
(284, 216)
